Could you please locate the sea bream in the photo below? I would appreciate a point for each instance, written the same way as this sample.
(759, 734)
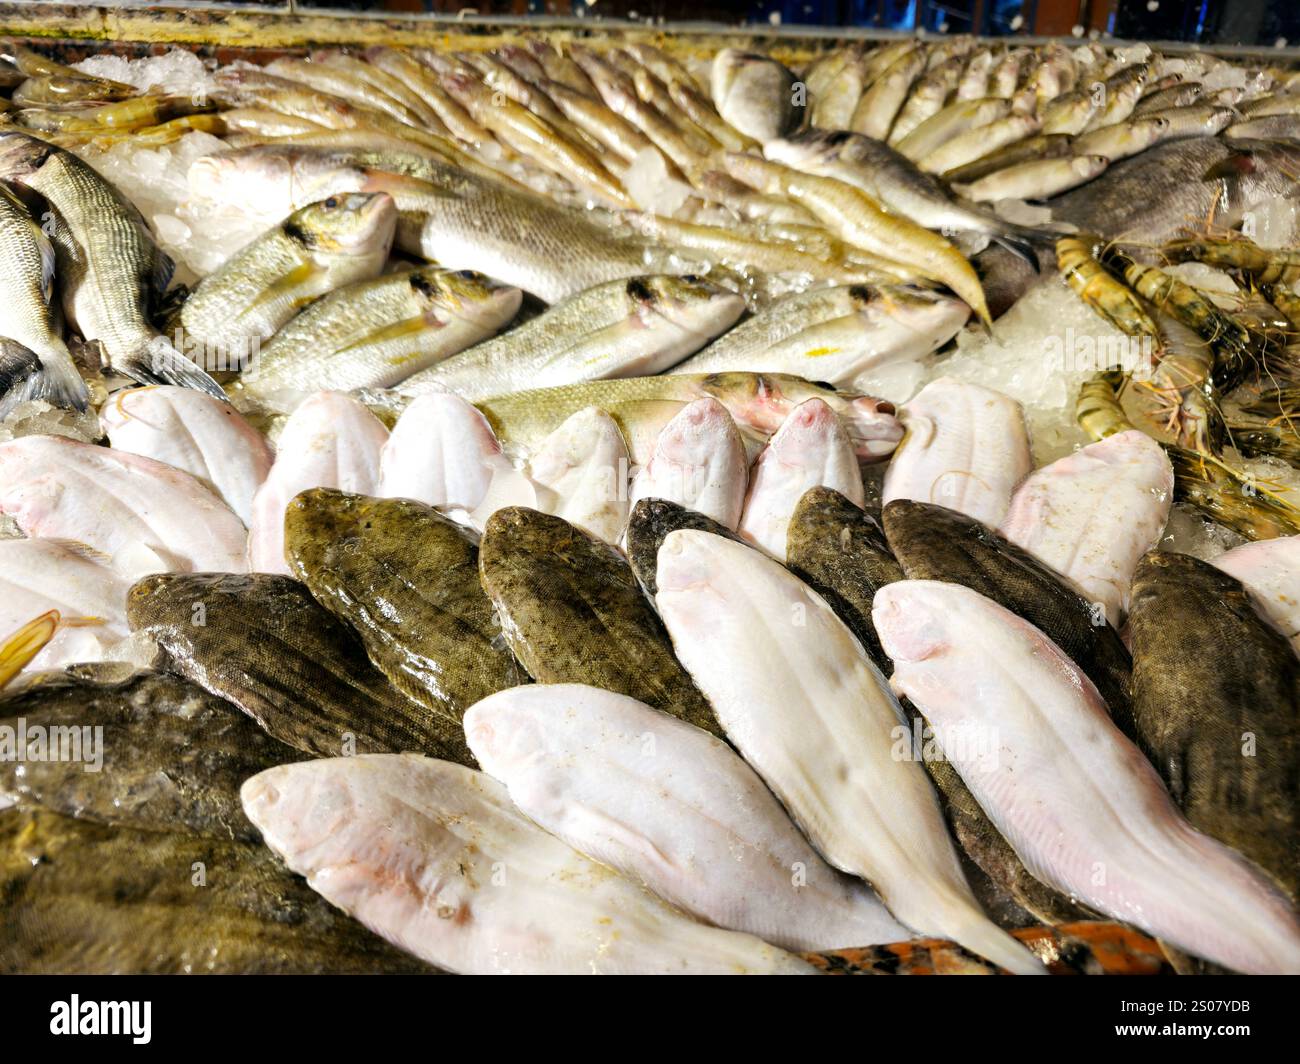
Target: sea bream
(192, 431)
(1079, 803)
(1092, 515)
(670, 806)
(436, 859)
(804, 705)
(140, 514)
(964, 446)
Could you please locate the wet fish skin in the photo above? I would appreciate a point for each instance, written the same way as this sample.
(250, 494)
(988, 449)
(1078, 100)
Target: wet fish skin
(38, 575)
(195, 433)
(969, 663)
(692, 822)
(637, 326)
(409, 846)
(1270, 570)
(964, 445)
(937, 544)
(319, 247)
(572, 612)
(1208, 670)
(1039, 179)
(268, 647)
(173, 755)
(375, 333)
(757, 640)
(142, 515)
(405, 579)
(648, 526)
(27, 277)
(698, 462)
(754, 93)
(758, 402)
(1091, 515)
(83, 898)
(581, 473)
(329, 441)
(811, 448)
(840, 551)
(112, 273)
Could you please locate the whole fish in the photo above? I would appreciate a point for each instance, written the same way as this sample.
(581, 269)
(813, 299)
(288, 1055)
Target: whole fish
(1124, 139)
(686, 817)
(194, 432)
(1204, 120)
(581, 473)
(1219, 722)
(572, 612)
(138, 513)
(811, 449)
(805, 334)
(934, 543)
(964, 446)
(330, 441)
(760, 643)
(405, 579)
(641, 325)
(699, 463)
(1039, 179)
(410, 846)
(857, 219)
(875, 112)
(111, 272)
(27, 277)
(86, 898)
(1270, 570)
(375, 333)
(924, 100)
(758, 402)
(443, 453)
(839, 551)
(1092, 801)
(1091, 515)
(39, 575)
(1039, 146)
(320, 247)
(1150, 197)
(449, 215)
(755, 94)
(952, 121)
(649, 525)
(263, 643)
(172, 758)
(975, 143)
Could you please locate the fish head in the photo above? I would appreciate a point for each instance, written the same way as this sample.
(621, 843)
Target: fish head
(506, 731)
(1089, 166)
(910, 617)
(464, 294)
(689, 302)
(808, 150)
(347, 223)
(925, 321)
(22, 155)
(297, 811)
(274, 179)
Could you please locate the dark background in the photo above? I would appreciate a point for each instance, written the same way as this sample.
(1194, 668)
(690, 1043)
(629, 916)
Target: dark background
(1246, 22)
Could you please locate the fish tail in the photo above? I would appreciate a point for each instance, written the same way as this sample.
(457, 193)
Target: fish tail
(25, 375)
(1020, 247)
(157, 362)
(953, 914)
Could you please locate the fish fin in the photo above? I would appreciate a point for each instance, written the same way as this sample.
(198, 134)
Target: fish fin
(25, 375)
(1234, 165)
(46, 249)
(167, 315)
(1019, 247)
(17, 651)
(285, 284)
(158, 362)
(163, 269)
(82, 550)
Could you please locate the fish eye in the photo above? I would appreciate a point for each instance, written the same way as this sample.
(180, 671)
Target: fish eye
(692, 278)
(465, 275)
(332, 202)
